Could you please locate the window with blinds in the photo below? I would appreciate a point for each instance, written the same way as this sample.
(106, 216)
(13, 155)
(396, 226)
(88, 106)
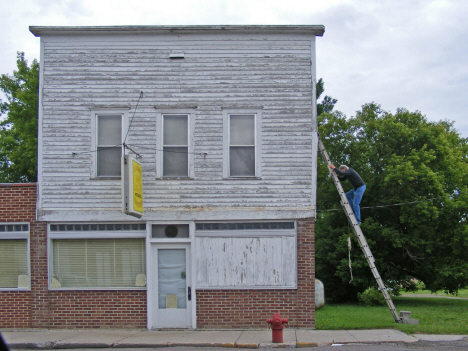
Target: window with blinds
(98, 263)
(14, 263)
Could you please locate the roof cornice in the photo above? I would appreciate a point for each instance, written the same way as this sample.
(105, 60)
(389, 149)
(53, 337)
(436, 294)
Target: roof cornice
(38, 31)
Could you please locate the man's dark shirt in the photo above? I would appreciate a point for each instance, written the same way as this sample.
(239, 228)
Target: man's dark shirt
(350, 174)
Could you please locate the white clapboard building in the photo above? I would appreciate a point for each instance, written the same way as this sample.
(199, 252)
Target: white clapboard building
(220, 122)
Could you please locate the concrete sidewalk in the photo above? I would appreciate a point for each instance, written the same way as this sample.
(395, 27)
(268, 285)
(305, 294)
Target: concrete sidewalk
(125, 338)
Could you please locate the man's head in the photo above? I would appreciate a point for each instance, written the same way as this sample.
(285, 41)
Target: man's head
(343, 168)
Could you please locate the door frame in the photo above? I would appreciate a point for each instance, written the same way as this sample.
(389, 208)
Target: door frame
(152, 284)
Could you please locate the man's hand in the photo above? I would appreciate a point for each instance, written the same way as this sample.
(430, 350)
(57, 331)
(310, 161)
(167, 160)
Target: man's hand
(331, 167)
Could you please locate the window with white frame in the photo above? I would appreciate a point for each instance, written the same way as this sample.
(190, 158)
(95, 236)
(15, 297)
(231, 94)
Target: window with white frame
(97, 256)
(97, 263)
(175, 144)
(242, 149)
(14, 256)
(108, 144)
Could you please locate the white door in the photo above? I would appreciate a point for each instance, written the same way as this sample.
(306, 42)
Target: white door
(172, 293)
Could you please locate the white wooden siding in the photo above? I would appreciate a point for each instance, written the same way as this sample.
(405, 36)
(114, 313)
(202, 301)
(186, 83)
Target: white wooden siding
(83, 73)
(247, 262)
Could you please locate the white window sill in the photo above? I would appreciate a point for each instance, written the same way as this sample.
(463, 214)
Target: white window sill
(175, 178)
(242, 178)
(105, 178)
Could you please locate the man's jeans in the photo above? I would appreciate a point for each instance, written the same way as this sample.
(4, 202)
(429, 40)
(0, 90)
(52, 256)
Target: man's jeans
(354, 199)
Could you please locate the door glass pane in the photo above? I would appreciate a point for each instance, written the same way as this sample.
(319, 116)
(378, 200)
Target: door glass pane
(175, 130)
(171, 279)
(242, 130)
(242, 161)
(109, 130)
(175, 162)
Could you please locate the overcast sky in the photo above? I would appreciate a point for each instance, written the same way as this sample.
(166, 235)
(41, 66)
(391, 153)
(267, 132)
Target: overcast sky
(397, 53)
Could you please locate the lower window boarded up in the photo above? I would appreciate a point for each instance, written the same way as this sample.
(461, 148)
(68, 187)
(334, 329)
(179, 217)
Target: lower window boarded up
(246, 262)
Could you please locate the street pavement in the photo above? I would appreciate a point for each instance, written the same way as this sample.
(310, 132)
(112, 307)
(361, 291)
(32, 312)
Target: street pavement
(138, 338)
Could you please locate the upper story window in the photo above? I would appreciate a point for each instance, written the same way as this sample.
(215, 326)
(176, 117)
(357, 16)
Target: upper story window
(175, 146)
(175, 161)
(242, 147)
(107, 143)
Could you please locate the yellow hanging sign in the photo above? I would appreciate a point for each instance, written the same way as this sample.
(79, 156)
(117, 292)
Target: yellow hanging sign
(137, 187)
(132, 186)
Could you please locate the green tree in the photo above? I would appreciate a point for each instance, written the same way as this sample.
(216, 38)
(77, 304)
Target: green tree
(417, 170)
(328, 103)
(18, 131)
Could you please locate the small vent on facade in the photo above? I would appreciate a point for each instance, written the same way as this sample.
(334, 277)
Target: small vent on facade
(170, 231)
(177, 55)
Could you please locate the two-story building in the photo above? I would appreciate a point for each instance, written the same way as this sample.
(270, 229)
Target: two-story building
(222, 120)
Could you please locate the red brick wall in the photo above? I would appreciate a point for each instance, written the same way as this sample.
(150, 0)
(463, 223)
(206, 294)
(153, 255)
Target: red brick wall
(306, 273)
(251, 308)
(98, 309)
(15, 309)
(41, 308)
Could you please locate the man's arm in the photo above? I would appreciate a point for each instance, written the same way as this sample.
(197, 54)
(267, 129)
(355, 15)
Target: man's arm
(341, 175)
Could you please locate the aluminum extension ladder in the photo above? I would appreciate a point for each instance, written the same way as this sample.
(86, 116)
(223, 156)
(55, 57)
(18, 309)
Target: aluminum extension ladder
(359, 235)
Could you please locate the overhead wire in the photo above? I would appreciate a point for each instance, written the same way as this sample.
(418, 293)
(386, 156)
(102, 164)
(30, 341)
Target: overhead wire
(389, 205)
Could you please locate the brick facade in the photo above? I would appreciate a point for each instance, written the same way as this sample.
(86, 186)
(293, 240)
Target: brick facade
(251, 308)
(41, 308)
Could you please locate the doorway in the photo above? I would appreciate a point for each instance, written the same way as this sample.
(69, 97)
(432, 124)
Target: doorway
(172, 292)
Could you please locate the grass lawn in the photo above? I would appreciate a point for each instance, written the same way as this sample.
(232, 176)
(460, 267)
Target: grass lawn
(436, 316)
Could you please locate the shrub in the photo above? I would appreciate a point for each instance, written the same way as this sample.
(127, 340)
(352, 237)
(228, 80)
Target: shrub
(371, 297)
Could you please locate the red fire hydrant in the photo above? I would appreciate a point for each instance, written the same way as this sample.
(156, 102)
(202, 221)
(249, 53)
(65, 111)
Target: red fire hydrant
(276, 325)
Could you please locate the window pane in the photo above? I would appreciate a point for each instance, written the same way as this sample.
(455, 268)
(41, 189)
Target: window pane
(98, 263)
(175, 162)
(175, 130)
(13, 263)
(108, 160)
(171, 278)
(242, 161)
(242, 130)
(110, 130)
(69, 263)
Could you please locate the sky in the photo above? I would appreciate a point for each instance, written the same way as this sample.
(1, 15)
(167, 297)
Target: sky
(409, 54)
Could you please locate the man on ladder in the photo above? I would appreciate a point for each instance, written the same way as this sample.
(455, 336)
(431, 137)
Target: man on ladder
(354, 196)
(354, 220)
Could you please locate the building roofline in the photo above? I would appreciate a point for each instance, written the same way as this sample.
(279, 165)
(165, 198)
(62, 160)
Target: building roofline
(38, 31)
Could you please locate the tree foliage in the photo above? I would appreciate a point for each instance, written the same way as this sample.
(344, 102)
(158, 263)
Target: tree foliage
(18, 131)
(414, 209)
(328, 103)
